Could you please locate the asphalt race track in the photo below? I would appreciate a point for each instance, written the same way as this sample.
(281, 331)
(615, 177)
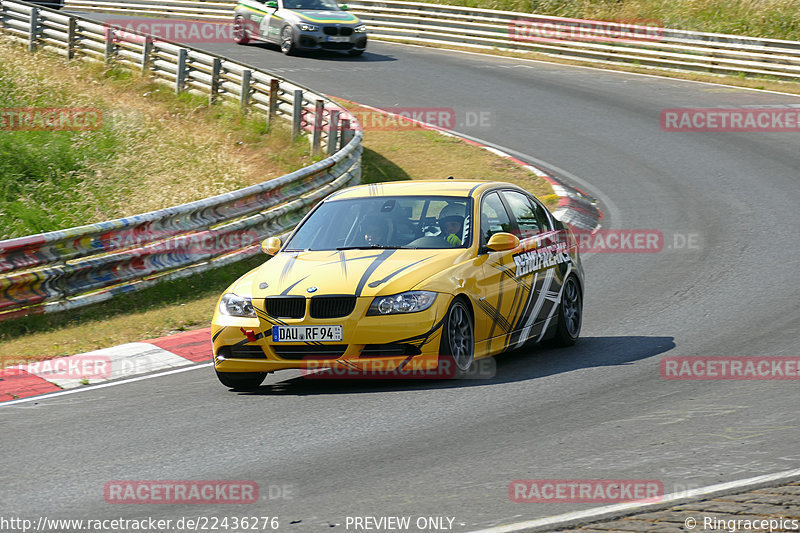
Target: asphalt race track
(322, 450)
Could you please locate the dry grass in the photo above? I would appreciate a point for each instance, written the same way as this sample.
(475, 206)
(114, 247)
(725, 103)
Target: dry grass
(776, 19)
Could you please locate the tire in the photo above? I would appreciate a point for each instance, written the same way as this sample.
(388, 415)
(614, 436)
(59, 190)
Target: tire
(287, 41)
(355, 53)
(241, 381)
(457, 347)
(240, 31)
(570, 315)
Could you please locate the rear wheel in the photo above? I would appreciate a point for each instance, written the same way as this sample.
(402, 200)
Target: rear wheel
(239, 31)
(241, 381)
(570, 315)
(457, 348)
(287, 41)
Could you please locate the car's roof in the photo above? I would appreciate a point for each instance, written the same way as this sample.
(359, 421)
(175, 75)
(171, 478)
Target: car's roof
(454, 187)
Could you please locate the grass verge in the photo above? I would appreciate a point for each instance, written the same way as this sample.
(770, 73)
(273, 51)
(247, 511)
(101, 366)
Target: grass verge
(773, 19)
(152, 150)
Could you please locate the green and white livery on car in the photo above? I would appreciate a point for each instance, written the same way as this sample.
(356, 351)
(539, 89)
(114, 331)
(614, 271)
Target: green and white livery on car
(300, 25)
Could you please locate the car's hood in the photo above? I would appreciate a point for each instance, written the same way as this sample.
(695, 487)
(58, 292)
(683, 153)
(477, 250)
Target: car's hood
(352, 272)
(324, 16)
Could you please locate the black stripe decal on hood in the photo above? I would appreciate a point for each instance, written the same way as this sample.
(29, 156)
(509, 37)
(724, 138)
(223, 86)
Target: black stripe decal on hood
(288, 266)
(383, 256)
(292, 286)
(343, 259)
(393, 274)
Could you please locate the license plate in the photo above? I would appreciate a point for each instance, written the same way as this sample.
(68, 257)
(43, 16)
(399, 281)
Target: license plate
(306, 333)
(338, 39)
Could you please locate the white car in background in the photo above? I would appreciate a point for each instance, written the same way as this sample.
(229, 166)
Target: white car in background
(297, 25)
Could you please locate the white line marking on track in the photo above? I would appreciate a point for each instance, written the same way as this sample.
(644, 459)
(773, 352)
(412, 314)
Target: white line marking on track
(609, 511)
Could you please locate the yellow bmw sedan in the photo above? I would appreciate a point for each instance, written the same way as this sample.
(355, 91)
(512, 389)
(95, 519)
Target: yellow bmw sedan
(403, 279)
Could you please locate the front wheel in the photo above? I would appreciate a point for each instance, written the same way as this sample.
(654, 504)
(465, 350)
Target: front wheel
(287, 41)
(239, 31)
(570, 315)
(457, 348)
(241, 381)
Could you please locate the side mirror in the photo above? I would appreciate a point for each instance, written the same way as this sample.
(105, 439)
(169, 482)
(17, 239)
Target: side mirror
(271, 246)
(343, 7)
(272, 4)
(501, 242)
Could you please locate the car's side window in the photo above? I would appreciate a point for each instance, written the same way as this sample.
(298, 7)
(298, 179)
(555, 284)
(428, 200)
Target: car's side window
(530, 217)
(494, 217)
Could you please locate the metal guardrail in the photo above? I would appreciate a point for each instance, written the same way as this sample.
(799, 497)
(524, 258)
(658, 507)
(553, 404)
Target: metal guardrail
(569, 38)
(78, 266)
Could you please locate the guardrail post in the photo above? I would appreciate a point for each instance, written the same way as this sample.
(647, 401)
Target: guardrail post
(2, 16)
(316, 139)
(297, 113)
(72, 30)
(180, 74)
(216, 72)
(333, 132)
(244, 98)
(147, 51)
(274, 88)
(344, 138)
(33, 31)
(109, 53)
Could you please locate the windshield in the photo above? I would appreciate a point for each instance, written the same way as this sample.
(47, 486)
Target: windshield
(318, 5)
(387, 222)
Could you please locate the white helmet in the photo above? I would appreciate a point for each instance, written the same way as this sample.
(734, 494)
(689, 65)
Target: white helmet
(454, 212)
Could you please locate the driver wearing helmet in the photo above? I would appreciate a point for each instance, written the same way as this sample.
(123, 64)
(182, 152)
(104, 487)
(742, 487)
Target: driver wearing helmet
(375, 230)
(451, 221)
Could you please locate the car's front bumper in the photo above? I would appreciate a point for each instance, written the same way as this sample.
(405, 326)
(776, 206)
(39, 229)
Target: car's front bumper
(370, 344)
(318, 40)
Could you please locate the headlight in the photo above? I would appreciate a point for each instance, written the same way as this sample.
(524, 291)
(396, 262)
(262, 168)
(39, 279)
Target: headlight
(406, 302)
(308, 27)
(361, 29)
(233, 305)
